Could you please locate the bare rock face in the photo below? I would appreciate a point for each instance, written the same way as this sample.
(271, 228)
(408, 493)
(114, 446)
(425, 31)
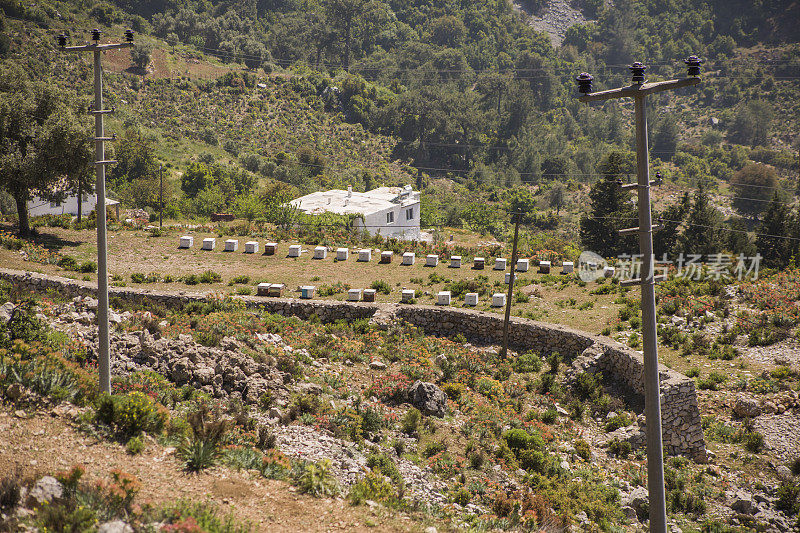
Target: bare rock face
(428, 398)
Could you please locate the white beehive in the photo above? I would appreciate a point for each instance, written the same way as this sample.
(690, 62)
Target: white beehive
(251, 247)
(369, 295)
(409, 258)
(431, 260)
(187, 241)
(523, 265)
(320, 252)
(567, 267)
(294, 250)
(209, 243)
(386, 256)
(471, 298)
(270, 248)
(544, 267)
(498, 299)
(354, 295)
(500, 263)
(407, 295)
(365, 255)
(479, 263)
(508, 278)
(342, 254)
(307, 291)
(263, 289)
(231, 245)
(443, 298)
(455, 261)
(609, 271)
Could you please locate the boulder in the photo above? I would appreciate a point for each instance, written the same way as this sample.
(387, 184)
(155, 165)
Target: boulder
(45, 490)
(377, 365)
(638, 500)
(742, 502)
(746, 407)
(181, 371)
(428, 398)
(117, 526)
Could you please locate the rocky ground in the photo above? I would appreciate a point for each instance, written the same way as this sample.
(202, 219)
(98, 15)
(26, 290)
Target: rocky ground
(555, 19)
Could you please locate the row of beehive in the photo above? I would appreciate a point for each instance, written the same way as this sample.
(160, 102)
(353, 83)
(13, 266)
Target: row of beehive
(365, 255)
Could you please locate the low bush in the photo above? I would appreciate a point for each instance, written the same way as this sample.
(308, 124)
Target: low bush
(317, 480)
(131, 414)
(374, 487)
(582, 449)
(88, 267)
(209, 276)
(381, 286)
(410, 422)
(616, 422)
(528, 362)
(208, 432)
(619, 448)
(134, 446)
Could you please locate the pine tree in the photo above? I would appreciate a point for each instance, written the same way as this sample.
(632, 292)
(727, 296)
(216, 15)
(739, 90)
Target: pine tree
(611, 210)
(701, 235)
(770, 241)
(665, 241)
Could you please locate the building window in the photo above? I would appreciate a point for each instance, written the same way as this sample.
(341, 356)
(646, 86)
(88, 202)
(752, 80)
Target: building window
(410, 213)
(390, 217)
(53, 205)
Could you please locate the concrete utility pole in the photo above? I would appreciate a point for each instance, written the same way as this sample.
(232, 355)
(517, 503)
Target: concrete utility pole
(103, 357)
(638, 90)
(161, 196)
(516, 217)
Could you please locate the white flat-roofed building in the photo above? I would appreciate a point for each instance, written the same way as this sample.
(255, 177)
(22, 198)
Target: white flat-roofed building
(385, 211)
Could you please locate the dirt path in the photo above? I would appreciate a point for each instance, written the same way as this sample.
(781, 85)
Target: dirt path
(47, 444)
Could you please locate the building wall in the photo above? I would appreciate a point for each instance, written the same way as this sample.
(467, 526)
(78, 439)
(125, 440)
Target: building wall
(400, 228)
(40, 206)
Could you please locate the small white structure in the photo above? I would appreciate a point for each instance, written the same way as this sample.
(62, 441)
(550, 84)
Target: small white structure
(498, 299)
(455, 261)
(443, 298)
(523, 265)
(609, 271)
(385, 211)
(365, 255)
(263, 289)
(500, 263)
(508, 278)
(544, 267)
(567, 267)
(209, 243)
(294, 250)
(369, 295)
(409, 258)
(471, 298)
(187, 241)
(431, 260)
(231, 245)
(270, 248)
(479, 263)
(407, 295)
(386, 256)
(307, 291)
(320, 252)
(251, 247)
(354, 295)
(342, 254)
(38, 206)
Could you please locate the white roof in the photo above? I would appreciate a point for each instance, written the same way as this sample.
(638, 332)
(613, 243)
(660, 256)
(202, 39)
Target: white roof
(344, 202)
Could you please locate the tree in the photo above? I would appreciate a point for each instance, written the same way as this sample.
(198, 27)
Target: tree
(771, 240)
(753, 122)
(556, 197)
(702, 235)
(345, 15)
(36, 125)
(611, 209)
(665, 241)
(665, 138)
(141, 54)
(753, 186)
(196, 178)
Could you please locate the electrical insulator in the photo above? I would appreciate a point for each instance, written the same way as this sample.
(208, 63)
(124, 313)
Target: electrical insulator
(693, 65)
(129, 35)
(638, 72)
(96, 34)
(62, 40)
(584, 82)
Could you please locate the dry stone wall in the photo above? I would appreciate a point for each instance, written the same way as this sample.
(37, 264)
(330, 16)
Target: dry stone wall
(681, 423)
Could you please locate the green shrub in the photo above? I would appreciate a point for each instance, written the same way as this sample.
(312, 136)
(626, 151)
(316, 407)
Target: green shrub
(550, 415)
(137, 277)
(528, 362)
(381, 286)
(410, 422)
(68, 263)
(317, 480)
(753, 441)
(88, 267)
(461, 496)
(209, 430)
(582, 449)
(433, 447)
(382, 463)
(131, 414)
(619, 448)
(616, 422)
(209, 276)
(134, 446)
(244, 291)
(789, 497)
(373, 487)
(242, 280)
(191, 279)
